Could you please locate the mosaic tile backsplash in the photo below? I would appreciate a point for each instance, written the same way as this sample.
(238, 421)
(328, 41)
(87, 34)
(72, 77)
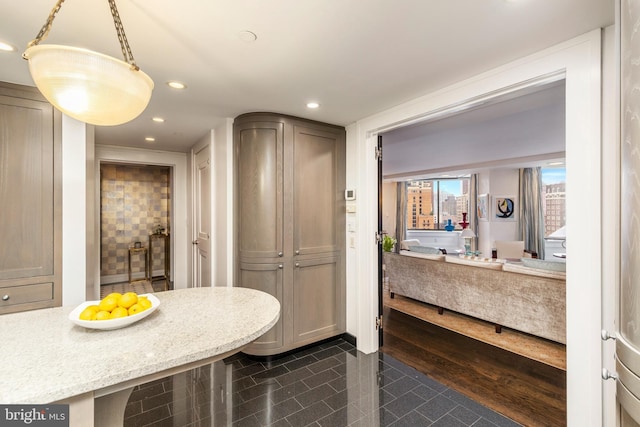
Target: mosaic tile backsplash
(134, 202)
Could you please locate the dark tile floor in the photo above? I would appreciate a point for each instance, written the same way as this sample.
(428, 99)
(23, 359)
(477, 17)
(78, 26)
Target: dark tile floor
(331, 384)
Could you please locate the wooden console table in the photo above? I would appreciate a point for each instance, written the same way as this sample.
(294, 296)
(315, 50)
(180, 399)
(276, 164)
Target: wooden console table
(142, 251)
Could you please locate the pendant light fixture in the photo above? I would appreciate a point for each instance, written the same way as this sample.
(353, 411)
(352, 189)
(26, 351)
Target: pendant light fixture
(86, 85)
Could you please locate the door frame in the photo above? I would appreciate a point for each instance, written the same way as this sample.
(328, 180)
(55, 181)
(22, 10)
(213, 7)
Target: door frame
(179, 237)
(220, 142)
(195, 150)
(579, 60)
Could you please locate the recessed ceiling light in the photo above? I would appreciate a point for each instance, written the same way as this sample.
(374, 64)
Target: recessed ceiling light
(158, 119)
(6, 47)
(176, 84)
(150, 139)
(312, 105)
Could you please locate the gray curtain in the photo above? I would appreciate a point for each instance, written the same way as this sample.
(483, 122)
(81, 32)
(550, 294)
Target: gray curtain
(531, 214)
(401, 212)
(472, 217)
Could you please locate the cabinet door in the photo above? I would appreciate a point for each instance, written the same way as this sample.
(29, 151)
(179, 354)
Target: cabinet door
(29, 194)
(266, 278)
(259, 148)
(318, 299)
(318, 190)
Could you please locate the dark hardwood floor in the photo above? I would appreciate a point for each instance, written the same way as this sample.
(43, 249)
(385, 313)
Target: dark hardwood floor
(529, 392)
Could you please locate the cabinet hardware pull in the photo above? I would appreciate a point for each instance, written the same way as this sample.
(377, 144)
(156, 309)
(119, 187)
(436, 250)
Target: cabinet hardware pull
(5, 298)
(297, 252)
(297, 264)
(280, 266)
(280, 254)
(606, 375)
(605, 335)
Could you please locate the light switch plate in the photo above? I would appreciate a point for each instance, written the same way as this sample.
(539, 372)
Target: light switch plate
(349, 194)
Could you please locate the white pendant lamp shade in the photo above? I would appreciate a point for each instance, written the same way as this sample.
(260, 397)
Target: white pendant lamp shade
(89, 86)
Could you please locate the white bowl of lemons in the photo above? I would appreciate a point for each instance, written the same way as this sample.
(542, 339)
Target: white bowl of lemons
(114, 310)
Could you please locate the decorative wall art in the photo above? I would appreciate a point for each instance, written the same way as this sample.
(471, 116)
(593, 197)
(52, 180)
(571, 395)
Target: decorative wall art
(504, 208)
(483, 207)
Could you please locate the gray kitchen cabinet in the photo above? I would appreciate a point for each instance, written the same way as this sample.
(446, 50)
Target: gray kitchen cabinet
(30, 201)
(267, 278)
(290, 181)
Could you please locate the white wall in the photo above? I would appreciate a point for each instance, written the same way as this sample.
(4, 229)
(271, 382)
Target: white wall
(354, 237)
(579, 60)
(389, 201)
(222, 161)
(74, 204)
(610, 209)
(501, 182)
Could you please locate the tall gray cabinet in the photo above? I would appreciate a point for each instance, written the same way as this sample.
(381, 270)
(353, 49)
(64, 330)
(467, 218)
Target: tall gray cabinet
(290, 182)
(30, 201)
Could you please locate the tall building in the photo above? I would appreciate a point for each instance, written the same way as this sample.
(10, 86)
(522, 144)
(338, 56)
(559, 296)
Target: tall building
(423, 214)
(554, 207)
(448, 208)
(420, 206)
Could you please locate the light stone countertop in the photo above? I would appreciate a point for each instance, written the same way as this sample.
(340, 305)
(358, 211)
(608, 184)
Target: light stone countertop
(44, 357)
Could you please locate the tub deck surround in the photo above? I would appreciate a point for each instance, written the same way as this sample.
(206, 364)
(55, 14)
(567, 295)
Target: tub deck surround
(530, 303)
(46, 358)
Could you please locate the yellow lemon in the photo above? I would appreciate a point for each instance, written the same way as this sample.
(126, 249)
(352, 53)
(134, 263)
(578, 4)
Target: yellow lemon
(89, 313)
(144, 303)
(119, 312)
(115, 294)
(108, 303)
(103, 315)
(128, 299)
(135, 309)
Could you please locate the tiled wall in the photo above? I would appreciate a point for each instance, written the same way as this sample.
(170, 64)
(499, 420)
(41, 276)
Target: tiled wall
(134, 200)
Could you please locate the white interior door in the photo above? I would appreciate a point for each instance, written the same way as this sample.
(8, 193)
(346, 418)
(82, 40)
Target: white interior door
(628, 334)
(202, 204)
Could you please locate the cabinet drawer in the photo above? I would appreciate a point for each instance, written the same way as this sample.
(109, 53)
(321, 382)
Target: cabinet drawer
(25, 294)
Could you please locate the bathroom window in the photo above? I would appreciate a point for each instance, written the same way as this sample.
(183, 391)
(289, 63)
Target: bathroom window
(431, 203)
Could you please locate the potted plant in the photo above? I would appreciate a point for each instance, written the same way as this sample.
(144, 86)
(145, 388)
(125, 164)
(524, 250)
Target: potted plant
(387, 243)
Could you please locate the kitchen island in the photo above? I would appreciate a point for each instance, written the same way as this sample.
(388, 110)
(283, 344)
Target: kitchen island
(48, 359)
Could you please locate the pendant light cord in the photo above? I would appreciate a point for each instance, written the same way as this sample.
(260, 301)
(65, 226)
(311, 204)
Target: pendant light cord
(122, 37)
(44, 31)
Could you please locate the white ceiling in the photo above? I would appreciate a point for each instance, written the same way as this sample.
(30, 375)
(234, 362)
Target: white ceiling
(355, 57)
(524, 128)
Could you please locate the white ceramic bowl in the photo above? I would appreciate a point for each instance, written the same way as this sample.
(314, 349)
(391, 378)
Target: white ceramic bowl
(121, 322)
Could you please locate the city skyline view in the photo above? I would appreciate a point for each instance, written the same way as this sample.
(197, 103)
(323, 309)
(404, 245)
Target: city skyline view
(431, 203)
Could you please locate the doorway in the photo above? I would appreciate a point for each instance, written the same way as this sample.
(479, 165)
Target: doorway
(461, 351)
(580, 60)
(135, 225)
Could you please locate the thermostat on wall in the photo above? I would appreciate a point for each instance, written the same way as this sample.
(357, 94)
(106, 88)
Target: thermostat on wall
(349, 194)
